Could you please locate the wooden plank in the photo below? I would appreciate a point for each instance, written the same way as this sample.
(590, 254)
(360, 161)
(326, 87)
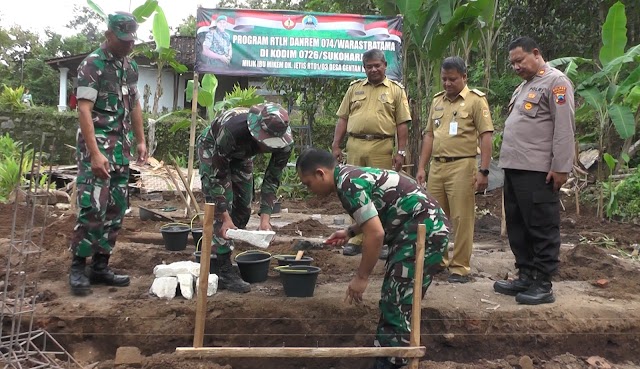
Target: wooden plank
(246, 352)
(201, 298)
(416, 309)
(186, 186)
(175, 183)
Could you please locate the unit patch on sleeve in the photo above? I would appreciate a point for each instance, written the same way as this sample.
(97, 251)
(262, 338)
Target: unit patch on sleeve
(559, 94)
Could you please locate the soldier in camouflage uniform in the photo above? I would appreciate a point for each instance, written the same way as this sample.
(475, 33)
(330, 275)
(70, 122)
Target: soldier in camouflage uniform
(216, 47)
(387, 207)
(226, 149)
(109, 111)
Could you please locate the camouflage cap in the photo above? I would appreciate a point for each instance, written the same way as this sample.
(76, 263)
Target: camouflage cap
(124, 25)
(269, 124)
(214, 22)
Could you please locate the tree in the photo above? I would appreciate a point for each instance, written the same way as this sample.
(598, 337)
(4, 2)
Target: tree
(88, 23)
(187, 27)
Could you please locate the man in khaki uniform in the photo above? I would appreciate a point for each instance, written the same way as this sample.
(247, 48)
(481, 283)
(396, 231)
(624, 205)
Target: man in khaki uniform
(373, 111)
(537, 154)
(458, 118)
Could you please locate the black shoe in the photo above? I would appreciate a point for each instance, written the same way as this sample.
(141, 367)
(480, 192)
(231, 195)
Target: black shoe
(539, 292)
(78, 280)
(351, 250)
(100, 273)
(457, 278)
(514, 287)
(228, 278)
(384, 252)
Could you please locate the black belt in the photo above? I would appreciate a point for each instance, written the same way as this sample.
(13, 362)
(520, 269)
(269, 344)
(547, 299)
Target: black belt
(448, 159)
(370, 137)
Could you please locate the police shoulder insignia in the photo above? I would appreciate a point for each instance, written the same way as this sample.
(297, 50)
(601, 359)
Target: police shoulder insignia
(478, 92)
(438, 94)
(559, 94)
(397, 83)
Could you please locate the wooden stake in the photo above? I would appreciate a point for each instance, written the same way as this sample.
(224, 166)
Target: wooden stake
(262, 352)
(192, 132)
(416, 309)
(186, 186)
(205, 255)
(175, 183)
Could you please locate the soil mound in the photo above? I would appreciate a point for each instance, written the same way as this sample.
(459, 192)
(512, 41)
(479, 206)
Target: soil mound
(305, 228)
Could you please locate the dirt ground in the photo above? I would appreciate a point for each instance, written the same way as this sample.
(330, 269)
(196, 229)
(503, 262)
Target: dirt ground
(463, 326)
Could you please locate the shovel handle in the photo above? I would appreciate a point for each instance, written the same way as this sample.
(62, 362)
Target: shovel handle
(299, 254)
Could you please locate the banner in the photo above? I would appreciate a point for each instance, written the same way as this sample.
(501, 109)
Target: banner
(294, 44)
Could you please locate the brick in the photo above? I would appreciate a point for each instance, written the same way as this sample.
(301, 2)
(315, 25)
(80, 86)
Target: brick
(128, 356)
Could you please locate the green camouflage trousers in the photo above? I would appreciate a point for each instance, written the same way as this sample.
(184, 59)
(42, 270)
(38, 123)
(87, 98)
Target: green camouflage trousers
(396, 297)
(237, 189)
(101, 204)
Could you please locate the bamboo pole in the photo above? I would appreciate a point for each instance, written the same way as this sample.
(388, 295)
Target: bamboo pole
(175, 183)
(205, 254)
(186, 186)
(281, 352)
(416, 309)
(192, 133)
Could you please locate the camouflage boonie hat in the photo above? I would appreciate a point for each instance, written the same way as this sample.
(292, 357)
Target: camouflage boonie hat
(124, 25)
(269, 124)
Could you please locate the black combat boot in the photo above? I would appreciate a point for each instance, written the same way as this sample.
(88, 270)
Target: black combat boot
(78, 280)
(228, 278)
(512, 288)
(100, 273)
(539, 292)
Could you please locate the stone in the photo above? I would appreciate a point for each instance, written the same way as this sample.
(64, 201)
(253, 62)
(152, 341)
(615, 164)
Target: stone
(128, 356)
(179, 267)
(164, 287)
(186, 285)
(212, 286)
(601, 283)
(260, 239)
(525, 362)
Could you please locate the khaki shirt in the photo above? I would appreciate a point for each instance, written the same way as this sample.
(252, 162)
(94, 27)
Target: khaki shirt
(471, 112)
(539, 132)
(374, 109)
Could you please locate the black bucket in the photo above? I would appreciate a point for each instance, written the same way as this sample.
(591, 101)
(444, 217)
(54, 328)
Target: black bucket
(291, 260)
(253, 265)
(212, 257)
(196, 233)
(175, 236)
(299, 281)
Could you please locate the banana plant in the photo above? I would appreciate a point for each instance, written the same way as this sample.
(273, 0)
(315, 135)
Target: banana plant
(613, 92)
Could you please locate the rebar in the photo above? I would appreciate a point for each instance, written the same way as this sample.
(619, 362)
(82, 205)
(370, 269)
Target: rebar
(22, 346)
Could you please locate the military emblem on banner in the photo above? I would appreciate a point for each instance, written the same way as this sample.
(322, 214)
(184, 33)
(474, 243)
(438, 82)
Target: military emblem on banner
(310, 22)
(559, 94)
(288, 23)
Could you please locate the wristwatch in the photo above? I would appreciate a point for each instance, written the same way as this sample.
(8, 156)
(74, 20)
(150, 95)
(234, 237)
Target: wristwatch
(351, 232)
(402, 152)
(484, 172)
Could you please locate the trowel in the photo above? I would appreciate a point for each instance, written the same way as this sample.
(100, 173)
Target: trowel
(260, 239)
(304, 245)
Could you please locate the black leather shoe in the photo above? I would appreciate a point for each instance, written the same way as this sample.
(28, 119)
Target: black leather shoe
(100, 273)
(514, 287)
(351, 250)
(78, 280)
(539, 292)
(457, 278)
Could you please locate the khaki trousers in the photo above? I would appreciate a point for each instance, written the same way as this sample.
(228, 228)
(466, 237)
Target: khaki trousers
(364, 153)
(451, 184)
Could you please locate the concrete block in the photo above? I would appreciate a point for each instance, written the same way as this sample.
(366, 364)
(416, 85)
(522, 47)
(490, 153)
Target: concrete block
(179, 267)
(186, 285)
(128, 356)
(164, 287)
(212, 286)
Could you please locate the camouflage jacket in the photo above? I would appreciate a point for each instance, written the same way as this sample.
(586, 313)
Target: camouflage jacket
(111, 84)
(218, 42)
(395, 198)
(228, 143)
